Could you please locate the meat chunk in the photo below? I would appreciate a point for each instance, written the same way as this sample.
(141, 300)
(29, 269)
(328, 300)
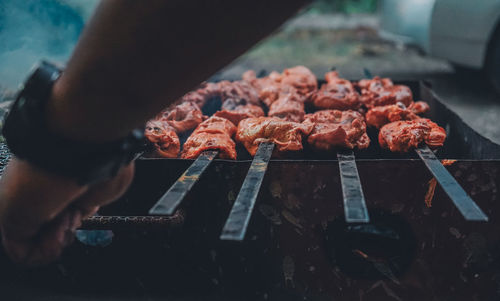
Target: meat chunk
(184, 117)
(216, 125)
(238, 91)
(200, 96)
(301, 78)
(272, 93)
(163, 138)
(213, 134)
(401, 136)
(286, 135)
(197, 144)
(239, 101)
(336, 94)
(337, 129)
(240, 112)
(289, 106)
(260, 83)
(298, 79)
(381, 91)
(379, 116)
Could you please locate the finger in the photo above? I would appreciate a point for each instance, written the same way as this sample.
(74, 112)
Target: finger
(48, 244)
(30, 197)
(105, 192)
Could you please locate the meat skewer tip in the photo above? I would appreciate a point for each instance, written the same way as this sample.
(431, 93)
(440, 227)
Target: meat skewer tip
(167, 204)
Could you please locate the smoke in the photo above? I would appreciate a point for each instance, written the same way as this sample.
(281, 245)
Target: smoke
(31, 30)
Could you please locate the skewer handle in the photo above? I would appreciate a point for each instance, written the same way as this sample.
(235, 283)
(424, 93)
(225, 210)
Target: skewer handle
(469, 209)
(167, 204)
(354, 200)
(239, 217)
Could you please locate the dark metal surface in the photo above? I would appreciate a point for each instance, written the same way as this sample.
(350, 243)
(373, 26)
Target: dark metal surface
(111, 222)
(237, 222)
(354, 200)
(469, 209)
(167, 204)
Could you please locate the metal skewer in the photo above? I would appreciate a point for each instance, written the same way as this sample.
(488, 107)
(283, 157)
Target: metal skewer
(239, 217)
(469, 209)
(354, 200)
(167, 204)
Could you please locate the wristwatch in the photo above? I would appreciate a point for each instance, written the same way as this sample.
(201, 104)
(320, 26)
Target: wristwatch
(29, 138)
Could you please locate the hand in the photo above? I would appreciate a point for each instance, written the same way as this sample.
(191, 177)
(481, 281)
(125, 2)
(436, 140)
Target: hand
(39, 211)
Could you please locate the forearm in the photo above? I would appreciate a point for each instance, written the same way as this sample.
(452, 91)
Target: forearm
(134, 58)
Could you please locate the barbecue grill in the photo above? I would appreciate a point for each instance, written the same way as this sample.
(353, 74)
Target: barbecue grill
(298, 245)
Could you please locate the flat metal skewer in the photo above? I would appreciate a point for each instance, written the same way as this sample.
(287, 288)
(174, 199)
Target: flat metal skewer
(469, 209)
(239, 217)
(354, 200)
(167, 204)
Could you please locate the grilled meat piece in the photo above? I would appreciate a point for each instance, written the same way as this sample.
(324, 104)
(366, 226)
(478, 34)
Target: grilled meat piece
(213, 134)
(272, 93)
(163, 137)
(286, 135)
(197, 144)
(301, 78)
(381, 91)
(334, 129)
(240, 112)
(239, 101)
(298, 79)
(336, 94)
(238, 91)
(260, 83)
(202, 94)
(289, 106)
(419, 107)
(379, 116)
(184, 117)
(401, 136)
(216, 125)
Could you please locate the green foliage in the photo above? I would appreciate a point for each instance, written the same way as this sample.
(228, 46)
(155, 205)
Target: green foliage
(344, 6)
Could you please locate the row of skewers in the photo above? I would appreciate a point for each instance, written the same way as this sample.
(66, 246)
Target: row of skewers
(343, 112)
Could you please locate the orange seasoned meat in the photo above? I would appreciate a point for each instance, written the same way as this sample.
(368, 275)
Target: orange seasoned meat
(298, 79)
(272, 93)
(379, 116)
(286, 135)
(216, 125)
(163, 138)
(419, 107)
(213, 134)
(238, 91)
(289, 106)
(337, 129)
(239, 101)
(336, 94)
(196, 144)
(301, 78)
(381, 91)
(202, 94)
(240, 112)
(260, 83)
(401, 136)
(183, 117)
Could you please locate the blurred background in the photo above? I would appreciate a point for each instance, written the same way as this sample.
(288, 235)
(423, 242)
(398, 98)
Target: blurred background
(450, 43)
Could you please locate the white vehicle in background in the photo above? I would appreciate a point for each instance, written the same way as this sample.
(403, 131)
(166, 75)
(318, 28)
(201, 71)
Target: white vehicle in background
(464, 32)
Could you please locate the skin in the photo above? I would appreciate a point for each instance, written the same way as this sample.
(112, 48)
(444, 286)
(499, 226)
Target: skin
(131, 61)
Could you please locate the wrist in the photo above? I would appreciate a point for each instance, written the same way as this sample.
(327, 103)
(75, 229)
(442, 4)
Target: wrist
(68, 115)
(54, 147)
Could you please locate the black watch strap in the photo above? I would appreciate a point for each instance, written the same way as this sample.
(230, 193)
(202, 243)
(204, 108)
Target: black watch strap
(28, 137)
